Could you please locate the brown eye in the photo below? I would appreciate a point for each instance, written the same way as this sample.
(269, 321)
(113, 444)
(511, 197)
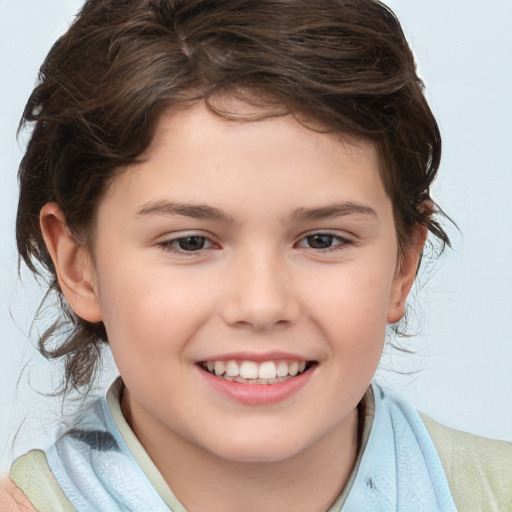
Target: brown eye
(320, 241)
(191, 243)
(324, 242)
(188, 245)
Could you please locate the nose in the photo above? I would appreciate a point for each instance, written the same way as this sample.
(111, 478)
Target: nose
(260, 294)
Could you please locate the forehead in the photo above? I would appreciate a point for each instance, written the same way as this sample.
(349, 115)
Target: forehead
(199, 156)
(209, 128)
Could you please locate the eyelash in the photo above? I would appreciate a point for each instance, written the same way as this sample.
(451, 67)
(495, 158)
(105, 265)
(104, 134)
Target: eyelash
(174, 244)
(342, 242)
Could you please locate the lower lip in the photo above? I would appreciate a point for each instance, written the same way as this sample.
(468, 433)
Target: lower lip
(257, 394)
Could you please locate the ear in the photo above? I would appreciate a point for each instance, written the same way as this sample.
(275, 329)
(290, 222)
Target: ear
(405, 275)
(73, 265)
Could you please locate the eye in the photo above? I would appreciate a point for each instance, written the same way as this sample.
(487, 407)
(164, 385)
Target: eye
(324, 241)
(186, 244)
(320, 241)
(191, 243)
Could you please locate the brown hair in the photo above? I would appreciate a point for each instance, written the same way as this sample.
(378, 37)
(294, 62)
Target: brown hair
(342, 63)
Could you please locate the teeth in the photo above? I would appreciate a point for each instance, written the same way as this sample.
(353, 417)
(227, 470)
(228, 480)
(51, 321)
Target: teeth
(282, 369)
(219, 367)
(232, 369)
(293, 369)
(249, 370)
(267, 372)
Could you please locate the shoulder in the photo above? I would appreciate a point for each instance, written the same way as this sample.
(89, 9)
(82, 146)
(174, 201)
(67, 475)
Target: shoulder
(48, 479)
(32, 477)
(478, 469)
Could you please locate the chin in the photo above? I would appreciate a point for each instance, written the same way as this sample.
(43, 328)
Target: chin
(262, 450)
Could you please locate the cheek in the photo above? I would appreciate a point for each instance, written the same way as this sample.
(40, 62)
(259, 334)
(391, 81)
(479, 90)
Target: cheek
(148, 314)
(353, 295)
(351, 308)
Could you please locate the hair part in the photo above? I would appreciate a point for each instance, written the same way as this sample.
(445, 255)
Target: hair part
(343, 64)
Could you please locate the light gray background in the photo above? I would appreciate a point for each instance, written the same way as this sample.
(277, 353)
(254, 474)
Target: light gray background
(461, 370)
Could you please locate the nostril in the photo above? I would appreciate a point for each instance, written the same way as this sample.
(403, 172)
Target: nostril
(261, 313)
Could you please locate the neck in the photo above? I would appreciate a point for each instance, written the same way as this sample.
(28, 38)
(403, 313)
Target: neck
(308, 481)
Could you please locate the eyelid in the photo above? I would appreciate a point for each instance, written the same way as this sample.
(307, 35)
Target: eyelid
(329, 232)
(185, 233)
(168, 241)
(342, 237)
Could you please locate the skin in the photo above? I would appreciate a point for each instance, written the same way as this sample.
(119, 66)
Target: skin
(12, 498)
(258, 285)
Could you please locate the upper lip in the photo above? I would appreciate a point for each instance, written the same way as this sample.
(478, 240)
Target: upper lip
(257, 357)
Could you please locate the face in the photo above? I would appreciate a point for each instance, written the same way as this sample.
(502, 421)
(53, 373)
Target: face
(245, 273)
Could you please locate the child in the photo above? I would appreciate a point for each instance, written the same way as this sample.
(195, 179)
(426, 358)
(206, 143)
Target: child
(234, 195)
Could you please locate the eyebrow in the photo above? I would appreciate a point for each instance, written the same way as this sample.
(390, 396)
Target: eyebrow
(333, 210)
(203, 211)
(196, 211)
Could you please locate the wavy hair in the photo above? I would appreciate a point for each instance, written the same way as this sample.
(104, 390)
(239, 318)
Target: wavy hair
(344, 64)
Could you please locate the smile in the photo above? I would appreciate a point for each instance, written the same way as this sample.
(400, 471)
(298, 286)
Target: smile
(251, 372)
